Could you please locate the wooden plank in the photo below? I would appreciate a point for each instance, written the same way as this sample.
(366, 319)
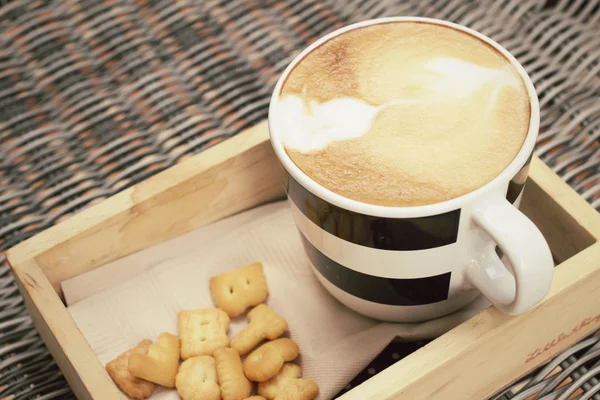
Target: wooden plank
(77, 361)
(567, 221)
(565, 197)
(486, 353)
(235, 175)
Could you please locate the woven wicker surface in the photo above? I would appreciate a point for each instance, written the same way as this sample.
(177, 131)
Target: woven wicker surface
(98, 95)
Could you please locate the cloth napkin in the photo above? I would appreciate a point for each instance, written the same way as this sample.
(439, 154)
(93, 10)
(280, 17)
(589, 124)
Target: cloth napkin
(139, 296)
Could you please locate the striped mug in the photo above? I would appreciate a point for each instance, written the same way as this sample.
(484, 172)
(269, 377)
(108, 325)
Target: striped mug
(410, 264)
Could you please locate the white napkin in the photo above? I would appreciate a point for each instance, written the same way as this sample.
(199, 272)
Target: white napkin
(139, 296)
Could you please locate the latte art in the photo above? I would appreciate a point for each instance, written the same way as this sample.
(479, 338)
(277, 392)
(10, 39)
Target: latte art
(312, 126)
(403, 114)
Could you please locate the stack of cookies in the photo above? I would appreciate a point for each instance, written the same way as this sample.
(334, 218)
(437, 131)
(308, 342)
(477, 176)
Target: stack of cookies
(212, 367)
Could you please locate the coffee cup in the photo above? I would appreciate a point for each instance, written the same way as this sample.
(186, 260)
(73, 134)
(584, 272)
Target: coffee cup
(421, 236)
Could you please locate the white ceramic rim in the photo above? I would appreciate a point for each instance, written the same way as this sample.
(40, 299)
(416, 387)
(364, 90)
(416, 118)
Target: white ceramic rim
(416, 211)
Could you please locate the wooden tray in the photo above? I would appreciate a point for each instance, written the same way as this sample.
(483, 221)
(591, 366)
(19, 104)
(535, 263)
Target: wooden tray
(473, 361)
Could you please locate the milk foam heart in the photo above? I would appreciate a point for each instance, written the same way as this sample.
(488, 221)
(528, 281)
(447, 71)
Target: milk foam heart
(310, 127)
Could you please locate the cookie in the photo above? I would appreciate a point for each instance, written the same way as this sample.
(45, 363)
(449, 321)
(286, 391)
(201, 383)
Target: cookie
(288, 385)
(132, 386)
(234, 384)
(202, 331)
(197, 379)
(266, 361)
(235, 291)
(263, 323)
(160, 364)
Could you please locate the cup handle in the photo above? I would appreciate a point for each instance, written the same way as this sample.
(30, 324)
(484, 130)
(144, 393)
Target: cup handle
(516, 291)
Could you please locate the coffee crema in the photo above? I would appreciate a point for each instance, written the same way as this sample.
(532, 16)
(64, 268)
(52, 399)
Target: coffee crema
(403, 114)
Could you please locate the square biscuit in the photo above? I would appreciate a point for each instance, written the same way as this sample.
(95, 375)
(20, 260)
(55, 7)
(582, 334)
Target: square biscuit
(202, 331)
(235, 291)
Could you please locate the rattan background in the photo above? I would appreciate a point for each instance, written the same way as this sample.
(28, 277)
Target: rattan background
(98, 95)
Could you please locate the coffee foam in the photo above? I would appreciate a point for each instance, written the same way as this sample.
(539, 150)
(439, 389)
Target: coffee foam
(402, 114)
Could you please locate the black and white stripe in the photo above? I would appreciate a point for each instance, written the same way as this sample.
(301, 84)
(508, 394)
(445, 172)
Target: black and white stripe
(402, 234)
(390, 291)
(390, 234)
